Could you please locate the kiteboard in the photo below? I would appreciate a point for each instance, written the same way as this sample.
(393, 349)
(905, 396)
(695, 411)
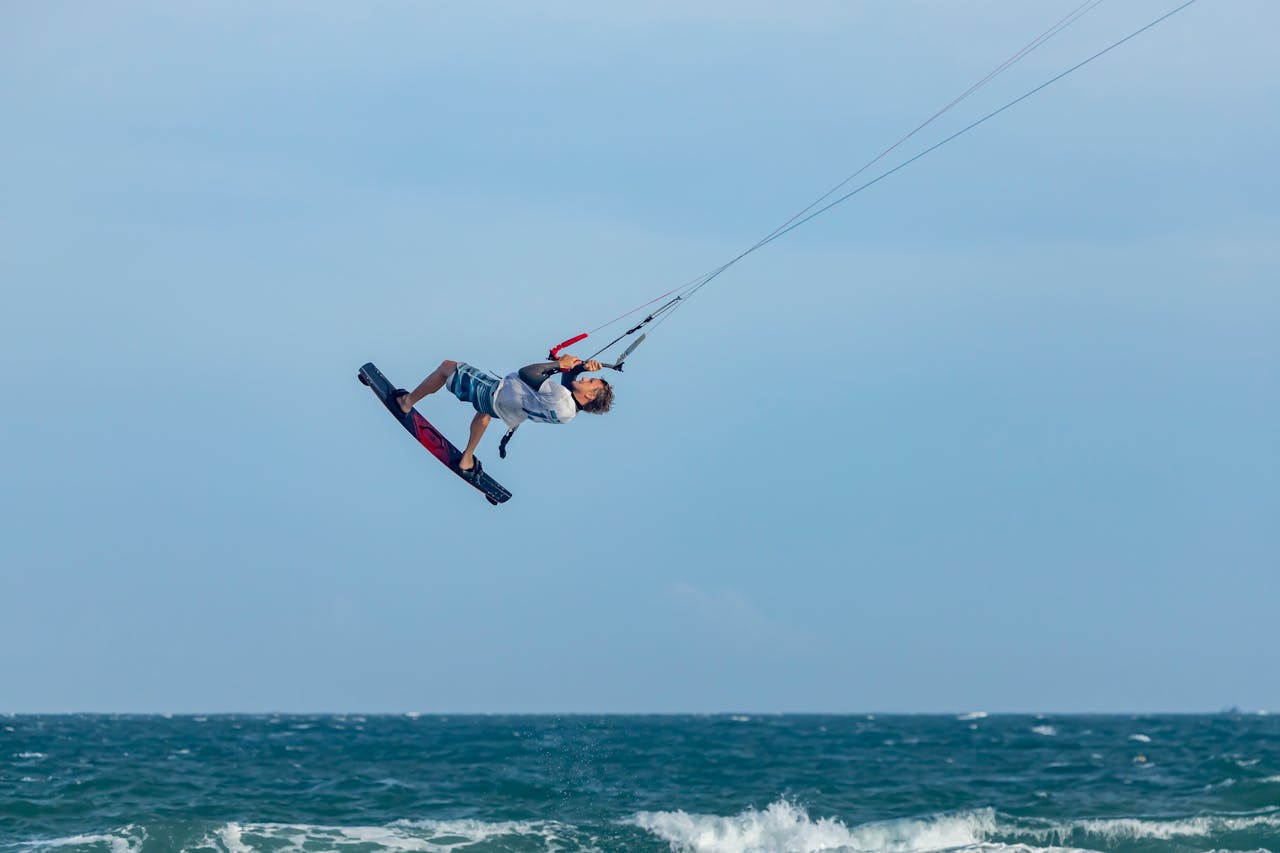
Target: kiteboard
(430, 437)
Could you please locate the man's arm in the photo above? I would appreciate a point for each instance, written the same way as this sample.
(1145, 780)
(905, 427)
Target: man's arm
(569, 367)
(534, 375)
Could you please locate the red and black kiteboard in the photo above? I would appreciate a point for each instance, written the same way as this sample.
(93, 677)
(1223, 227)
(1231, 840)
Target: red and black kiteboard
(430, 437)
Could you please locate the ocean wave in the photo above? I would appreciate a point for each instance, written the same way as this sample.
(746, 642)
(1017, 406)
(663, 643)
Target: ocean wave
(786, 827)
(128, 839)
(429, 836)
(1155, 829)
(406, 836)
(782, 827)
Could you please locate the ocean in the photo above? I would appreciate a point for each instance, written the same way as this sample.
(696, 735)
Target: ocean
(732, 783)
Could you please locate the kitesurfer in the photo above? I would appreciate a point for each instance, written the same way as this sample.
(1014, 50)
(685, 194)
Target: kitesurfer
(526, 394)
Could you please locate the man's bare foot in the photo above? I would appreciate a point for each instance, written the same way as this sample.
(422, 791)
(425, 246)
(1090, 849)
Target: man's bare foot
(466, 463)
(403, 402)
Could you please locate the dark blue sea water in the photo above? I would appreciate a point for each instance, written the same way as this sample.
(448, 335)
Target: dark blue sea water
(638, 783)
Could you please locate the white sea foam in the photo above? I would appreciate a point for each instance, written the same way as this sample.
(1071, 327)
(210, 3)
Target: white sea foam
(1047, 731)
(404, 836)
(230, 836)
(29, 755)
(781, 826)
(1140, 738)
(126, 840)
(973, 715)
(1134, 829)
(785, 827)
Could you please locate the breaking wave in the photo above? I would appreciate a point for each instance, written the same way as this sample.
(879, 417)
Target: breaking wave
(781, 827)
(785, 827)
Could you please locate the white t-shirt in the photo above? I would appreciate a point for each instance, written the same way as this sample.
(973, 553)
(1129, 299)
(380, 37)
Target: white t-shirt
(515, 401)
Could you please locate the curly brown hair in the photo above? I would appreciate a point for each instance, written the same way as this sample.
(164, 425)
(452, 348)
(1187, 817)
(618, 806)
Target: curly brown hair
(602, 401)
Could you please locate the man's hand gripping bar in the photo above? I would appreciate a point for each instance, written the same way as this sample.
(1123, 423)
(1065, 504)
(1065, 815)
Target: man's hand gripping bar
(554, 353)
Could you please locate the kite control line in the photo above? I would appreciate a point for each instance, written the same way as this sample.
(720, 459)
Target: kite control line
(821, 205)
(825, 202)
(554, 353)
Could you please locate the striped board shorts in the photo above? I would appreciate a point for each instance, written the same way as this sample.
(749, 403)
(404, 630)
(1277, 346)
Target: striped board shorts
(475, 386)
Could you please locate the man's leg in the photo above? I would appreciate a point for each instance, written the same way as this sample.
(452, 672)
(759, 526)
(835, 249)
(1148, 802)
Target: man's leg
(478, 425)
(430, 385)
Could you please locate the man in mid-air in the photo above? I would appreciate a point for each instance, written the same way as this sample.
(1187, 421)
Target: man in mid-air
(527, 394)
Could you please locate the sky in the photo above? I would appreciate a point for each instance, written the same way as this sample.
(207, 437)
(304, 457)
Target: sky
(1000, 433)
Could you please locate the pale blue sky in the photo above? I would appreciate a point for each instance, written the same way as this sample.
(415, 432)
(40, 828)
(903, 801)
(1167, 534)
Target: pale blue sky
(1001, 433)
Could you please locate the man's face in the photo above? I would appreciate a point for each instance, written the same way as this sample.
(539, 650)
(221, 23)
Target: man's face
(589, 387)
